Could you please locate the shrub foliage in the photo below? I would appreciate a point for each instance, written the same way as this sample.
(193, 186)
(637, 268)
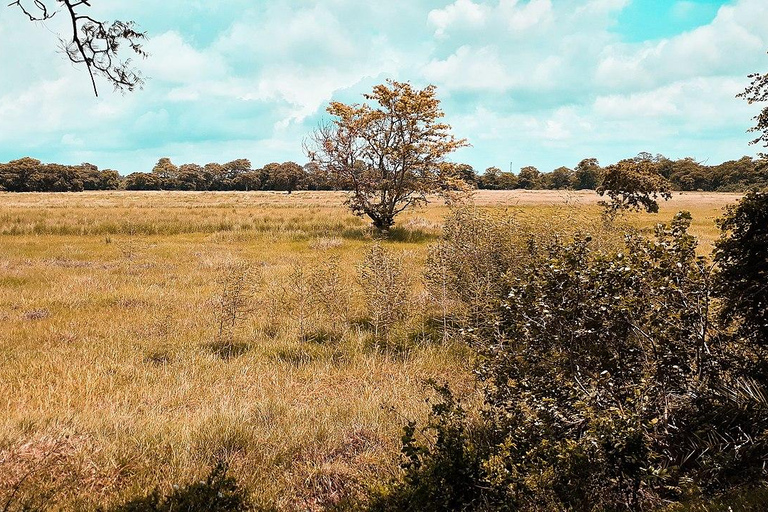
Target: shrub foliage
(609, 381)
(217, 493)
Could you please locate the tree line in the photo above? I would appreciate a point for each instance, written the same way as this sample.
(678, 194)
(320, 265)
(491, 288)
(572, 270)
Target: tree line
(686, 174)
(31, 175)
(235, 175)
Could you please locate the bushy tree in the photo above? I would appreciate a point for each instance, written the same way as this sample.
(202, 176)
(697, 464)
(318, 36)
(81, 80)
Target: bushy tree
(389, 155)
(685, 174)
(688, 174)
(588, 175)
(491, 179)
(167, 174)
(143, 181)
(559, 179)
(190, 177)
(529, 178)
(286, 176)
(316, 179)
(236, 168)
(634, 185)
(31, 175)
(466, 173)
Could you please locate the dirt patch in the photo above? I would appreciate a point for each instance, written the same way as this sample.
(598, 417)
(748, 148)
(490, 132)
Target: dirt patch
(36, 314)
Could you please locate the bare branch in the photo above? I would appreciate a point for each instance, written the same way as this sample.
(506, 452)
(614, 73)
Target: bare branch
(93, 43)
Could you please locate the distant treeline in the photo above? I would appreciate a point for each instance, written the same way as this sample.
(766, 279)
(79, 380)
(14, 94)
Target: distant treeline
(235, 175)
(30, 175)
(686, 174)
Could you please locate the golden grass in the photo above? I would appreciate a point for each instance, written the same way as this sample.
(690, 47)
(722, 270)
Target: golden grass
(109, 385)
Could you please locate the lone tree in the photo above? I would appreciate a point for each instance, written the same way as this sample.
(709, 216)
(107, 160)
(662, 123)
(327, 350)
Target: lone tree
(389, 156)
(633, 184)
(93, 43)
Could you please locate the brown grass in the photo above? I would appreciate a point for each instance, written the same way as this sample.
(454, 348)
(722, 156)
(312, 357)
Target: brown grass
(107, 316)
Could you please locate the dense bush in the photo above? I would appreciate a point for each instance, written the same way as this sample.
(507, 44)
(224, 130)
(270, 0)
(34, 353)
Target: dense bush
(608, 384)
(217, 493)
(742, 255)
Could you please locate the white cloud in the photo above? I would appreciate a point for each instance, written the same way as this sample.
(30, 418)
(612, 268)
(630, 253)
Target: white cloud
(683, 8)
(603, 6)
(508, 14)
(733, 41)
(279, 33)
(694, 103)
(152, 121)
(470, 68)
(522, 17)
(250, 78)
(176, 61)
(463, 12)
(70, 139)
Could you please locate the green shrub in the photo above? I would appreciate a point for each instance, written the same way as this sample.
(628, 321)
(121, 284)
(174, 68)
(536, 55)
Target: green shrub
(217, 493)
(440, 475)
(608, 384)
(742, 255)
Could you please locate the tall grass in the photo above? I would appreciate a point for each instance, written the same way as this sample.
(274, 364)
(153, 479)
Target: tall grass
(110, 304)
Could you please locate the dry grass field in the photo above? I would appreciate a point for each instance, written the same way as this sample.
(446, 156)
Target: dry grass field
(115, 377)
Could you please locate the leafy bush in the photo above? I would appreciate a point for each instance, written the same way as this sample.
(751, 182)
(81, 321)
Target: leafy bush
(608, 385)
(742, 255)
(441, 475)
(217, 493)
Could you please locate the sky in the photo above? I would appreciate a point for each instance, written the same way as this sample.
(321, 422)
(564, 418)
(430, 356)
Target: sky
(526, 82)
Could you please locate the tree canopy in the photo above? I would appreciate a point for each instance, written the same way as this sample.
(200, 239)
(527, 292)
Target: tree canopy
(390, 155)
(633, 185)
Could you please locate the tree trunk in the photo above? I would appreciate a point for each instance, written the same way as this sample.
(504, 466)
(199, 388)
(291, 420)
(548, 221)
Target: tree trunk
(382, 223)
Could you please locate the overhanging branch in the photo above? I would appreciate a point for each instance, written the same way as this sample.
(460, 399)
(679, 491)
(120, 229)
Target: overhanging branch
(93, 43)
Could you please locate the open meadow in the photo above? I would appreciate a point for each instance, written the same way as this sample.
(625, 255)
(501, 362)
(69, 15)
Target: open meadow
(144, 336)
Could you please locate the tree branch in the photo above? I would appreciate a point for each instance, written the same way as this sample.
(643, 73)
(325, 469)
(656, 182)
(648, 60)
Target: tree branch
(93, 43)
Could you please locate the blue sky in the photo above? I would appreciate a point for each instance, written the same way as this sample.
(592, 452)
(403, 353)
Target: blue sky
(527, 82)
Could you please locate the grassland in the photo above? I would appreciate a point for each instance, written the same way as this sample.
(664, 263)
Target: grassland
(111, 380)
